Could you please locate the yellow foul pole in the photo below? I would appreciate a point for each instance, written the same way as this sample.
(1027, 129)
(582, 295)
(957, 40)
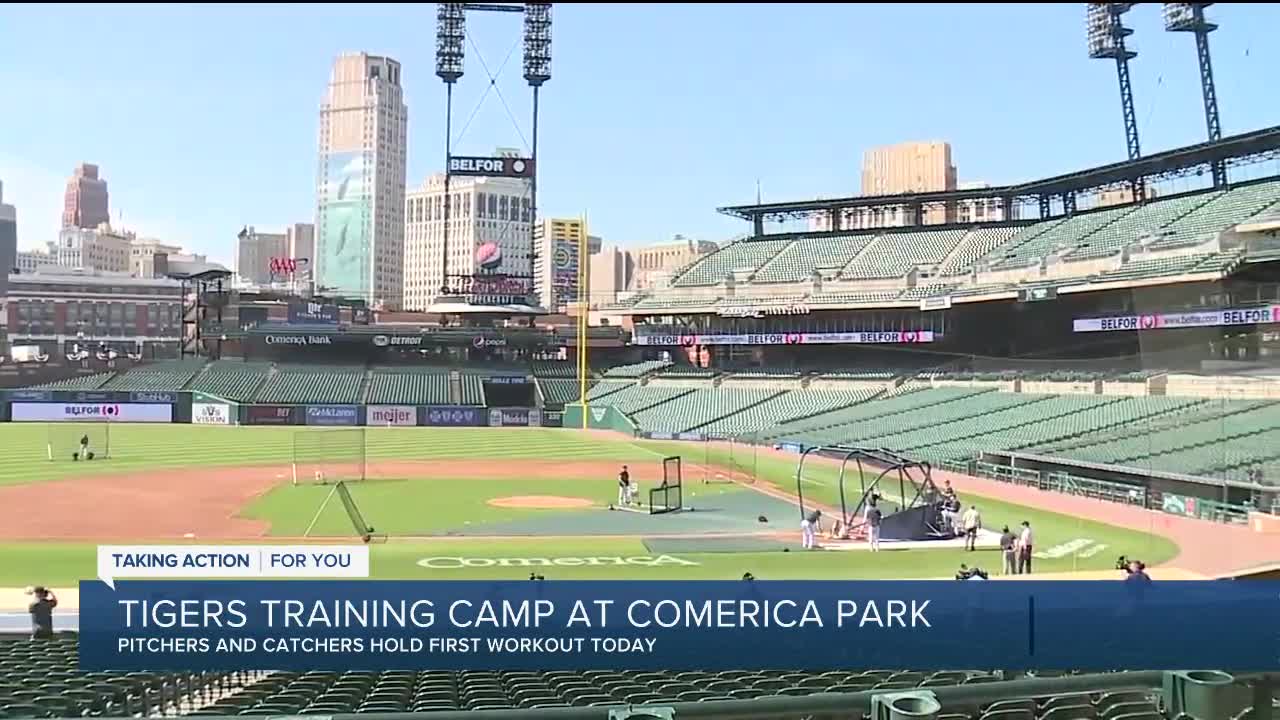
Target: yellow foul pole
(583, 278)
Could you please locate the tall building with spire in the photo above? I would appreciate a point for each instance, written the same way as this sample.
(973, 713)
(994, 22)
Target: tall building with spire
(359, 233)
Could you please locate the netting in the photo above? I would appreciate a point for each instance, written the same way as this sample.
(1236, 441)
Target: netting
(329, 456)
(730, 460)
(669, 496)
(79, 442)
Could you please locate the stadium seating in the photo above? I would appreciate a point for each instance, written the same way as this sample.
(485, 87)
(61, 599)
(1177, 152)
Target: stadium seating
(542, 368)
(1221, 212)
(39, 680)
(608, 387)
(231, 379)
(472, 389)
(1113, 237)
(784, 408)
(636, 370)
(559, 391)
(894, 254)
(634, 398)
(691, 410)
(1061, 235)
(741, 256)
(409, 386)
(980, 242)
(169, 376)
(825, 252)
(312, 384)
(79, 382)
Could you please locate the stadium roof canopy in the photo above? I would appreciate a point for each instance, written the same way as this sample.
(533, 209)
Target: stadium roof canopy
(1189, 160)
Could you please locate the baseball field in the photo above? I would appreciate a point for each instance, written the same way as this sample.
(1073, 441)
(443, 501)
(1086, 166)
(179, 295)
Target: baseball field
(483, 503)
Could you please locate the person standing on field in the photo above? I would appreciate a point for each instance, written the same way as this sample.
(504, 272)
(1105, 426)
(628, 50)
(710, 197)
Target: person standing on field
(874, 517)
(809, 529)
(624, 487)
(972, 522)
(1008, 545)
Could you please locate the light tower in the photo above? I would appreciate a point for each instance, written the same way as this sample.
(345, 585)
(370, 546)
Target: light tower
(1106, 37)
(451, 37)
(1189, 17)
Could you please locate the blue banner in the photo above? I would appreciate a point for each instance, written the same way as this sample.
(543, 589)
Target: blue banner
(452, 416)
(714, 625)
(313, 313)
(29, 395)
(333, 415)
(152, 396)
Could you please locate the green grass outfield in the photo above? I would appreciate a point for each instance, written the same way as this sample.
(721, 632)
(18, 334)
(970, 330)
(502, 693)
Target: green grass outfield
(425, 505)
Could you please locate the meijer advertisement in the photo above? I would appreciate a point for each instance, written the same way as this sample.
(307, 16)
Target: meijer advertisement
(393, 415)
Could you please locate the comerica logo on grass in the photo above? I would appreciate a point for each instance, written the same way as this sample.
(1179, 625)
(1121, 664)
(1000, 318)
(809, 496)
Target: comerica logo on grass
(461, 563)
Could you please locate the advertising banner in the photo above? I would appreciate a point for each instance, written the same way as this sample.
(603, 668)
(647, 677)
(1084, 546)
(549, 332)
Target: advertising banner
(393, 415)
(312, 313)
(345, 222)
(29, 395)
(552, 419)
(514, 417)
(210, 414)
(452, 416)
(491, 166)
(1037, 294)
(332, 415)
(892, 336)
(270, 415)
(91, 412)
(151, 396)
(507, 380)
(1209, 318)
(308, 340)
(942, 302)
(346, 625)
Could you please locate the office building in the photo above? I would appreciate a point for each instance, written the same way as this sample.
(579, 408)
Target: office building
(654, 264)
(490, 212)
(30, 261)
(912, 167)
(100, 249)
(610, 275)
(142, 255)
(359, 234)
(254, 251)
(8, 241)
(556, 243)
(85, 202)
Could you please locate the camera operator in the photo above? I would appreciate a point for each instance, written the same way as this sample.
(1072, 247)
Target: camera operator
(1135, 571)
(41, 610)
(967, 573)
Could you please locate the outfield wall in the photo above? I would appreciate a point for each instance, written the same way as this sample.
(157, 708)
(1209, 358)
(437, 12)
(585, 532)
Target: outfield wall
(202, 409)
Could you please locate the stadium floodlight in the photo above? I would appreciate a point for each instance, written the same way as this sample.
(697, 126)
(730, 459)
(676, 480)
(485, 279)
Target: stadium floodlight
(537, 43)
(1106, 35)
(1189, 17)
(451, 38)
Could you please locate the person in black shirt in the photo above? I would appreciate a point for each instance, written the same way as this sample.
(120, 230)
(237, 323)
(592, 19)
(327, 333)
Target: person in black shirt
(1008, 548)
(84, 446)
(624, 487)
(41, 610)
(874, 516)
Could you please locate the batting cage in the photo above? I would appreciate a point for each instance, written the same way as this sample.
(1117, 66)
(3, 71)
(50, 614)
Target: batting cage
(362, 528)
(901, 488)
(79, 442)
(669, 496)
(730, 459)
(326, 457)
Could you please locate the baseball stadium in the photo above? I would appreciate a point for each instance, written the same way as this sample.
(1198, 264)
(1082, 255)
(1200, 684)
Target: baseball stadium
(1099, 373)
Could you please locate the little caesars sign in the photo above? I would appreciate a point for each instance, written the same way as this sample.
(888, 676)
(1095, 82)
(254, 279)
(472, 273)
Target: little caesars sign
(462, 563)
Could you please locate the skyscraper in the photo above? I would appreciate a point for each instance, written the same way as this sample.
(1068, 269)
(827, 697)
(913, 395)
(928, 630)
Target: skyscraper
(911, 167)
(492, 212)
(360, 184)
(8, 242)
(555, 266)
(84, 204)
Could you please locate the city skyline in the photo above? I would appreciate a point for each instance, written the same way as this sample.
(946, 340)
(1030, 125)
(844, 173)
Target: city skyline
(251, 166)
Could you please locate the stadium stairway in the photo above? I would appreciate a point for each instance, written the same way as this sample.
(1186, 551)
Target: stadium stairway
(455, 387)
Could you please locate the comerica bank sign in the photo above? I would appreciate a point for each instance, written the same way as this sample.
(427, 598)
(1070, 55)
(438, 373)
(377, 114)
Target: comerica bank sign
(299, 340)
(464, 563)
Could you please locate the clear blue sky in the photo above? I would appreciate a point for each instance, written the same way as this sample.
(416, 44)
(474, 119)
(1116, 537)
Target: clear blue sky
(204, 118)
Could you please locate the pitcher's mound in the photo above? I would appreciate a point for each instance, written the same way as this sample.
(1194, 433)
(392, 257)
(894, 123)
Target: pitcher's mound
(540, 502)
